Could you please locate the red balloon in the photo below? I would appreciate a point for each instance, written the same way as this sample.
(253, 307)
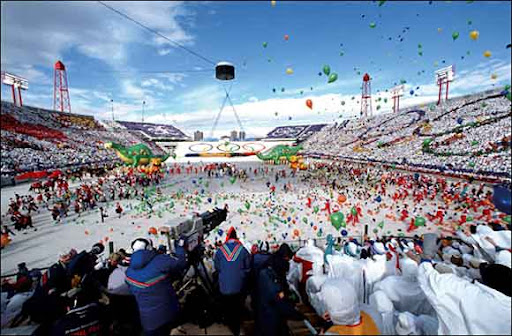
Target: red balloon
(152, 230)
(286, 37)
(309, 103)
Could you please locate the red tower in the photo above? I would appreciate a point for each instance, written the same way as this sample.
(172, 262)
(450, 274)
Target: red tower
(366, 97)
(61, 100)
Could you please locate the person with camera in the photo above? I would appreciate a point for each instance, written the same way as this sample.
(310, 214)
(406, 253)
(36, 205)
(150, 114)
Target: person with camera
(232, 265)
(149, 277)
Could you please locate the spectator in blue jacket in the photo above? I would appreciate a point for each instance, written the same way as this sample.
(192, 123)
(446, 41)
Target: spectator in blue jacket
(273, 308)
(233, 264)
(149, 279)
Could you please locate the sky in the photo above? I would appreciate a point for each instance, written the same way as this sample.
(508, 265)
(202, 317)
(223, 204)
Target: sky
(108, 57)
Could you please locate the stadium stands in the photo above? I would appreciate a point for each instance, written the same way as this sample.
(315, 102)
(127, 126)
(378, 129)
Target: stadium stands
(155, 130)
(467, 134)
(300, 133)
(38, 139)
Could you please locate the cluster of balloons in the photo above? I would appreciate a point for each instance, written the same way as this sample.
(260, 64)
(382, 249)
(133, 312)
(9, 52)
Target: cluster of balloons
(338, 220)
(332, 77)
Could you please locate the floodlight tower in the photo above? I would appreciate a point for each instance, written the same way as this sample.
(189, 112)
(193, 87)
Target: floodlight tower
(17, 84)
(61, 101)
(396, 93)
(366, 97)
(443, 77)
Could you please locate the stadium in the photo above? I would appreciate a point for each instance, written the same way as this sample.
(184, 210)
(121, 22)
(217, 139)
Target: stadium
(341, 204)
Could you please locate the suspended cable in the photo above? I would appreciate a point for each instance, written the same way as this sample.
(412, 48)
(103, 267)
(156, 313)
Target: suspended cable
(157, 33)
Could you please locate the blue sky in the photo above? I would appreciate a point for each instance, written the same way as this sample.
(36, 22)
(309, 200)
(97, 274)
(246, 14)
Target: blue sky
(109, 57)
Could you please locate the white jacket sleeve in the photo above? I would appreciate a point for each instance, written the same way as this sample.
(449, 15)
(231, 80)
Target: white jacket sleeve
(466, 239)
(463, 307)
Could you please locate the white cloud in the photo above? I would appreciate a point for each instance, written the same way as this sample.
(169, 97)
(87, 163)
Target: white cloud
(55, 27)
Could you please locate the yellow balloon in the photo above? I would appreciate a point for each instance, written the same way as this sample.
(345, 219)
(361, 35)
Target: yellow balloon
(289, 71)
(487, 53)
(474, 35)
(439, 30)
(273, 3)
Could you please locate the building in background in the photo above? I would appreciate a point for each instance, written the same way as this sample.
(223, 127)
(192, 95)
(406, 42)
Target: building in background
(233, 136)
(198, 136)
(242, 135)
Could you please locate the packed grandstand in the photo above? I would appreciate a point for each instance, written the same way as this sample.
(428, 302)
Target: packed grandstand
(470, 134)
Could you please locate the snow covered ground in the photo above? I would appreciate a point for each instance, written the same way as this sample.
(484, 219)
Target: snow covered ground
(253, 213)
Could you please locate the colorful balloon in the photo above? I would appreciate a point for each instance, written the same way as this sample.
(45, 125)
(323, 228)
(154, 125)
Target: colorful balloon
(342, 198)
(487, 53)
(337, 220)
(289, 71)
(419, 221)
(332, 78)
(309, 103)
(327, 70)
(286, 37)
(455, 35)
(474, 35)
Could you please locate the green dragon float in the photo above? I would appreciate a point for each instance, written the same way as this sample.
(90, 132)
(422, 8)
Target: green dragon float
(137, 155)
(280, 152)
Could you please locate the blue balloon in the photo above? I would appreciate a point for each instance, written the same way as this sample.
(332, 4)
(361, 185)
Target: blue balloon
(459, 120)
(378, 199)
(209, 199)
(411, 92)
(220, 232)
(416, 176)
(502, 199)
(344, 232)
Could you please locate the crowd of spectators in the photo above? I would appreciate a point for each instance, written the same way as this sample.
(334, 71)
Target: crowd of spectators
(35, 139)
(468, 134)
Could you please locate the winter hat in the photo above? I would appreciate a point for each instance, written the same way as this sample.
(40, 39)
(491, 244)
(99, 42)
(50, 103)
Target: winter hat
(231, 234)
(142, 244)
(67, 255)
(340, 299)
(406, 324)
(378, 248)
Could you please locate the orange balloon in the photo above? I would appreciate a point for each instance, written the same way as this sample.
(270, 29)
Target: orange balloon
(286, 37)
(296, 232)
(152, 230)
(342, 199)
(309, 103)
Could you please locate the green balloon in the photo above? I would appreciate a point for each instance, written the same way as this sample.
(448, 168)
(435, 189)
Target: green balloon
(427, 142)
(332, 78)
(353, 211)
(232, 179)
(337, 220)
(381, 2)
(341, 53)
(474, 143)
(455, 35)
(247, 205)
(419, 221)
(381, 225)
(378, 107)
(469, 219)
(373, 25)
(305, 220)
(327, 70)
(385, 100)
(471, 164)
(507, 219)
(315, 209)
(264, 44)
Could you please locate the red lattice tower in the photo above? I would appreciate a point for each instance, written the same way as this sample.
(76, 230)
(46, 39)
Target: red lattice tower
(443, 78)
(61, 100)
(366, 97)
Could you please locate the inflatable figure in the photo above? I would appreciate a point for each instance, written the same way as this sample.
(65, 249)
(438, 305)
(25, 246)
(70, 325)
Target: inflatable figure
(135, 155)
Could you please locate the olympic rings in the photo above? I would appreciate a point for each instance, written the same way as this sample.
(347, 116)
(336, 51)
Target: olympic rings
(228, 150)
(248, 147)
(206, 148)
